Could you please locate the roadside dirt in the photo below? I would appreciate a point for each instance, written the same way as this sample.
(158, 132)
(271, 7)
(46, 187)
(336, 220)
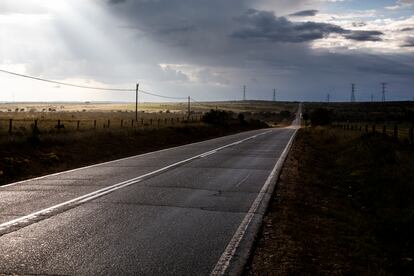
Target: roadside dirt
(343, 206)
(296, 237)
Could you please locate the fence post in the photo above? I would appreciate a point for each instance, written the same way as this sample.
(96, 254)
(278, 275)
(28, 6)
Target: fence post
(122, 123)
(94, 124)
(151, 121)
(158, 123)
(58, 125)
(132, 123)
(10, 126)
(395, 132)
(411, 136)
(109, 123)
(77, 126)
(165, 121)
(142, 121)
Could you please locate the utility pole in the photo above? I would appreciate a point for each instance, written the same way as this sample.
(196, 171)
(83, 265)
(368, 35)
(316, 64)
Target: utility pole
(189, 107)
(353, 93)
(244, 92)
(384, 88)
(274, 95)
(372, 98)
(328, 98)
(136, 103)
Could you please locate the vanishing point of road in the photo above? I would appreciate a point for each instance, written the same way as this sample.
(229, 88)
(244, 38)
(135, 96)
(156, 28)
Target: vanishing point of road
(180, 211)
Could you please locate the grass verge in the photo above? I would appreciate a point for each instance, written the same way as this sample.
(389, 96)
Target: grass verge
(343, 206)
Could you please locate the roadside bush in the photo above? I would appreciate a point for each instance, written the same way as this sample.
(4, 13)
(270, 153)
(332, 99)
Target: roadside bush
(217, 117)
(321, 117)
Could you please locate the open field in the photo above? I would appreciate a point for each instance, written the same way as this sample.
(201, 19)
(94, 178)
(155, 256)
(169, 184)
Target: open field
(343, 206)
(173, 107)
(376, 112)
(50, 117)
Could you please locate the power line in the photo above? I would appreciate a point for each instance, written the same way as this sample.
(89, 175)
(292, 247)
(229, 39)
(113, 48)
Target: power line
(384, 88)
(162, 96)
(90, 87)
(352, 92)
(64, 83)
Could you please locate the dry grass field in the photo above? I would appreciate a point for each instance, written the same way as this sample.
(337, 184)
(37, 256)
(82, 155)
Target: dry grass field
(87, 116)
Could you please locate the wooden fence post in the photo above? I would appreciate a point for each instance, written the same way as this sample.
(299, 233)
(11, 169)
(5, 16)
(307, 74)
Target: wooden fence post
(109, 123)
(10, 126)
(132, 123)
(58, 125)
(77, 126)
(94, 124)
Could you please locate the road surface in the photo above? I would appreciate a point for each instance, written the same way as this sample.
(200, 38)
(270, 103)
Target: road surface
(170, 212)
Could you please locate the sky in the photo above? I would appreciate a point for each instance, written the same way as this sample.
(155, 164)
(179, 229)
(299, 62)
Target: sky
(305, 49)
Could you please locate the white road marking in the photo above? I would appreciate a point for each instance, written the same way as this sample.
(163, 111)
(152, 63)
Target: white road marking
(114, 161)
(223, 263)
(243, 180)
(82, 199)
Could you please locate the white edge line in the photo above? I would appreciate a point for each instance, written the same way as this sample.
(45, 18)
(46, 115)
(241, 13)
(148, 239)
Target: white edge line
(123, 159)
(224, 262)
(109, 189)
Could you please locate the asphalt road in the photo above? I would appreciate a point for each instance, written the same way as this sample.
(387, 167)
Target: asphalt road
(171, 212)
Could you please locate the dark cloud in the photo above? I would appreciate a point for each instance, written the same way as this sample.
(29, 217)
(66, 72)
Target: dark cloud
(231, 42)
(304, 13)
(407, 29)
(116, 1)
(365, 35)
(264, 25)
(409, 42)
(358, 24)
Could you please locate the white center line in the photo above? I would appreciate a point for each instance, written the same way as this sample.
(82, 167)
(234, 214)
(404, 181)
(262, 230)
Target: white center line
(27, 219)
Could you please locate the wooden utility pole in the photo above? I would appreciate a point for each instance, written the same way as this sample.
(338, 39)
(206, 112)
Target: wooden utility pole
(274, 95)
(136, 103)
(189, 107)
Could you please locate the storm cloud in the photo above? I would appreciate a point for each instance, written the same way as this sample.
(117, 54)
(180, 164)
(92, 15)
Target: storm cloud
(207, 49)
(265, 25)
(304, 13)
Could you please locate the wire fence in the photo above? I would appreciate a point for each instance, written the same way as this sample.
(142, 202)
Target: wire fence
(398, 132)
(24, 126)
